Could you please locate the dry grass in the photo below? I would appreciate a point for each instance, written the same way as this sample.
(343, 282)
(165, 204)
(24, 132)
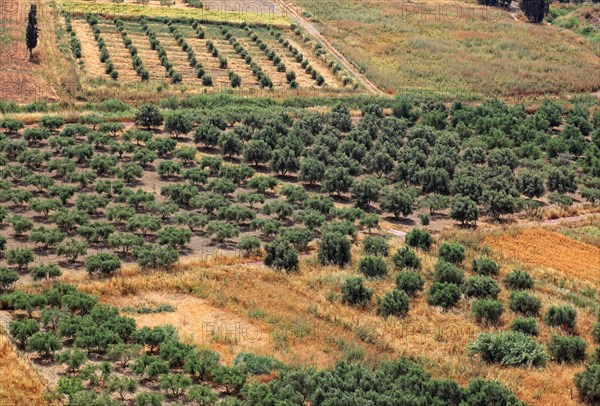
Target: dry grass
(201, 323)
(460, 49)
(300, 319)
(124, 10)
(553, 250)
(19, 384)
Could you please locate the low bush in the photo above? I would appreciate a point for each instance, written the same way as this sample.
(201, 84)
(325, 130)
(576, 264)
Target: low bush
(405, 258)
(445, 295)
(372, 267)
(596, 333)
(518, 280)
(525, 325)
(523, 303)
(481, 287)
(587, 383)
(355, 293)
(281, 255)
(334, 249)
(418, 238)
(509, 348)
(446, 272)
(409, 282)
(561, 316)
(452, 252)
(487, 310)
(567, 349)
(485, 266)
(487, 393)
(394, 303)
(257, 364)
(377, 246)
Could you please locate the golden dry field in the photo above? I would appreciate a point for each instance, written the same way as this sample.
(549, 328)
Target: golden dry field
(299, 318)
(20, 385)
(552, 250)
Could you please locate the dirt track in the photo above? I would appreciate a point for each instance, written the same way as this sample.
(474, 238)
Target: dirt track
(314, 32)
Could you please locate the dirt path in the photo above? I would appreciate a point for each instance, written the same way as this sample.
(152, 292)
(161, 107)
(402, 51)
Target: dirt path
(522, 224)
(314, 32)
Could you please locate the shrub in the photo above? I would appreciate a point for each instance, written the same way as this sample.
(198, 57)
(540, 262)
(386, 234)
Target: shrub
(202, 395)
(149, 399)
(561, 316)
(175, 384)
(509, 348)
(334, 249)
(567, 349)
(20, 331)
(7, 277)
(372, 267)
(595, 356)
(588, 384)
(487, 393)
(596, 333)
(257, 364)
(487, 310)
(446, 272)
(485, 266)
(377, 246)
(149, 256)
(464, 209)
(355, 293)
(405, 258)
(281, 255)
(394, 303)
(481, 287)
(524, 303)
(445, 295)
(20, 257)
(249, 244)
(525, 325)
(73, 358)
(410, 282)
(173, 236)
(518, 280)
(72, 249)
(418, 238)
(452, 252)
(148, 116)
(45, 272)
(103, 263)
(45, 344)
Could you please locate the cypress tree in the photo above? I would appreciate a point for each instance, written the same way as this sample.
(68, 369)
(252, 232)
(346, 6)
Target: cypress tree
(32, 30)
(534, 10)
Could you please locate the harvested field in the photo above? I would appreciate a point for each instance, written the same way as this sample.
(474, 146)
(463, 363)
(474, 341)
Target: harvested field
(89, 49)
(218, 15)
(21, 78)
(200, 323)
(550, 249)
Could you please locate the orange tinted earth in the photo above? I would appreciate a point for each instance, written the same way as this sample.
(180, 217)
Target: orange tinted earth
(552, 250)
